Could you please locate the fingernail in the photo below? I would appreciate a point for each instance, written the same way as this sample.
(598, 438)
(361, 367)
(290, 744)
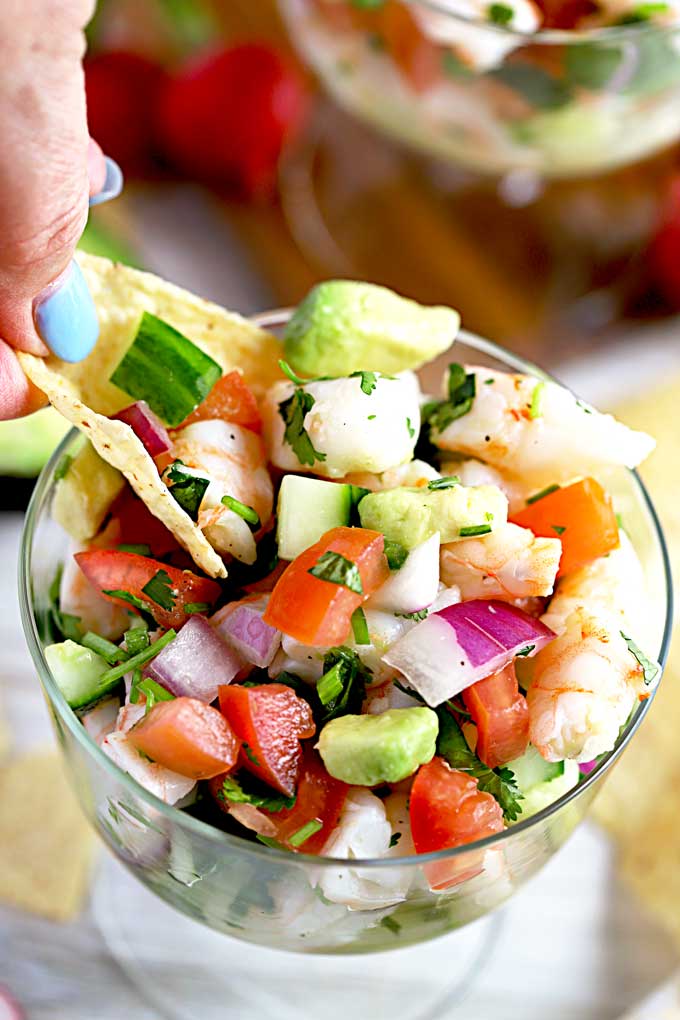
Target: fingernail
(65, 316)
(113, 183)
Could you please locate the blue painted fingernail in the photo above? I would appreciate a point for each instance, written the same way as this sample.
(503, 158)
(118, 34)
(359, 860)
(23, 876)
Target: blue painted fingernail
(65, 316)
(113, 184)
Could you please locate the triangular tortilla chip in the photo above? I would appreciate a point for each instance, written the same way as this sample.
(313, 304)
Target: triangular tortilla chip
(83, 394)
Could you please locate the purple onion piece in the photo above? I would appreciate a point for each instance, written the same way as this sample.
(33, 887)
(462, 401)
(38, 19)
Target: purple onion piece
(244, 629)
(196, 663)
(146, 426)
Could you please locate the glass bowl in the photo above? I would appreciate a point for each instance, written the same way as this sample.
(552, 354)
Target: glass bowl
(292, 901)
(555, 103)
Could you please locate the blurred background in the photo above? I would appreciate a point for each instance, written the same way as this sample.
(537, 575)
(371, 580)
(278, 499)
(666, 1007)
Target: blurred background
(268, 146)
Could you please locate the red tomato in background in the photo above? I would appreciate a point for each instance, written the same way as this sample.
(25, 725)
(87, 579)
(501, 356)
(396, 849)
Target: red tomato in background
(111, 570)
(138, 526)
(447, 810)
(270, 720)
(319, 796)
(224, 119)
(565, 13)
(664, 251)
(232, 400)
(318, 612)
(501, 714)
(122, 91)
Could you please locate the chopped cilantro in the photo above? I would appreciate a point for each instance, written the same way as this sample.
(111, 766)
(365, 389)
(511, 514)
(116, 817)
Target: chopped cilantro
(293, 412)
(544, 492)
(360, 627)
(287, 370)
(137, 548)
(395, 554)
(63, 467)
(371, 417)
(536, 405)
(367, 5)
(109, 652)
(135, 661)
(391, 925)
(337, 569)
(394, 838)
(187, 489)
(159, 590)
(619, 520)
(368, 381)
(247, 790)
(249, 515)
(500, 14)
(473, 530)
(127, 596)
(409, 428)
(559, 529)
(268, 841)
(306, 832)
(330, 685)
(196, 607)
(153, 692)
(447, 482)
(525, 651)
(250, 755)
(500, 782)
(136, 640)
(462, 389)
(584, 407)
(419, 614)
(489, 382)
(343, 684)
(650, 668)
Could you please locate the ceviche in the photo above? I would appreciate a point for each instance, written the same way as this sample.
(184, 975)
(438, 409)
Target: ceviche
(320, 608)
(558, 87)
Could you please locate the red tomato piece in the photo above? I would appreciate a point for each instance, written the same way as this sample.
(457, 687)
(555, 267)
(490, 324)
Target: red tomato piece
(566, 13)
(187, 736)
(418, 58)
(270, 720)
(581, 516)
(123, 91)
(447, 810)
(138, 526)
(231, 400)
(501, 714)
(318, 612)
(225, 118)
(110, 570)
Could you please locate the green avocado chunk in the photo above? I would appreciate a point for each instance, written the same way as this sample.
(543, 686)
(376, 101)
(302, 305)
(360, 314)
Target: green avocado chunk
(411, 515)
(343, 326)
(364, 750)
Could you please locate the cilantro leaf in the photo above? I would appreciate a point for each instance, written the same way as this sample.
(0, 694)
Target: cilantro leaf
(159, 590)
(249, 515)
(500, 782)
(293, 412)
(462, 391)
(447, 482)
(395, 554)
(500, 14)
(410, 429)
(368, 381)
(248, 790)
(342, 688)
(419, 614)
(337, 569)
(187, 489)
(650, 668)
(360, 627)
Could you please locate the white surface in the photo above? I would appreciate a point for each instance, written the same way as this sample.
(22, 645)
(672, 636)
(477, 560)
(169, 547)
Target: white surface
(573, 947)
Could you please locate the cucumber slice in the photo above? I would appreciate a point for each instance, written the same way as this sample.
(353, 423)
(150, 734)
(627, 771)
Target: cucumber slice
(307, 509)
(531, 769)
(541, 781)
(78, 672)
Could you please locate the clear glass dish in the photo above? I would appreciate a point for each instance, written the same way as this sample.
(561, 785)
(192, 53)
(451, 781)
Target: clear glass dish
(555, 103)
(282, 900)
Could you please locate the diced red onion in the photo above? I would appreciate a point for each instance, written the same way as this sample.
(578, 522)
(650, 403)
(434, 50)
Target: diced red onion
(252, 819)
(461, 644)
(195, 663)
(9, 1007)
(146, 426)
(243, 627)
(586, 767)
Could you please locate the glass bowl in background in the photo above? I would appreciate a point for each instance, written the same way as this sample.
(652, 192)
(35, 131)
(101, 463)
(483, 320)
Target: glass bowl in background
(554, 102)
(251, 894)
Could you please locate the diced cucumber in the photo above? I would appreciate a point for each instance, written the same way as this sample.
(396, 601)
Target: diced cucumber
(77, 672)
(307, 509)
(85, 492)
(541, 781)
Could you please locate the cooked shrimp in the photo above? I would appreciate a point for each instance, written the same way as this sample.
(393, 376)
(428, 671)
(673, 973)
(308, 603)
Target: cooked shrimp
(585, 682)
(163, 783)
(234, 461)
(79, 598)
(510, 563)
(351, 429)
(475, 472)
(539, 430)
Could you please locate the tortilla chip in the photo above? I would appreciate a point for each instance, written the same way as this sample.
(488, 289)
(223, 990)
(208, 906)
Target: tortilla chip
(638, 803)
(83, 394)
(5, 739)
(46, 845)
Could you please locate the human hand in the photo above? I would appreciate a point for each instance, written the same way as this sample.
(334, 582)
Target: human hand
(49, 168)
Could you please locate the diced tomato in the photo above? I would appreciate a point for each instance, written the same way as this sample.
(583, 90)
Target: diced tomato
(110, 570)
(320, 797)
(187, 736)
(231, 400)
(566, 13)
(270, 720)
(268, 583)
(447, 810)
(138, 526)
(318, 612)
(418, 58)
(581, 516)
(502, 717)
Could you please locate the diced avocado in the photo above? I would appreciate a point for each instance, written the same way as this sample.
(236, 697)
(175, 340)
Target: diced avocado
(344, 326)
(411, 515)
(364, 750)
(307, 509)
(541, 781)
(77, 672)
(85, 492)
(26, 443)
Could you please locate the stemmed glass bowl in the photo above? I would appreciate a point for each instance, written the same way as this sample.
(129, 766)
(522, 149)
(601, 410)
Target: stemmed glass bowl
(556, 103)
(293, 901)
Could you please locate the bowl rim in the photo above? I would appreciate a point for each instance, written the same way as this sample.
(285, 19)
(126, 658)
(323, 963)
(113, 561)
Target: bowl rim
(553, 36)
(229, 841)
